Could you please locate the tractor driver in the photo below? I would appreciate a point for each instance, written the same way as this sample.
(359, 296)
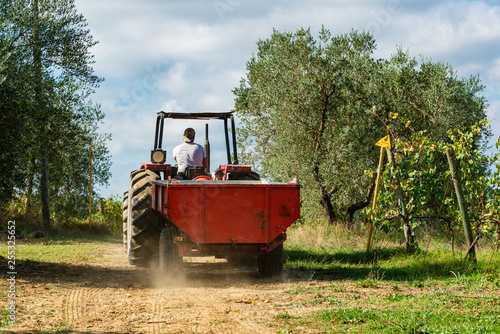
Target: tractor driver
(189, 154)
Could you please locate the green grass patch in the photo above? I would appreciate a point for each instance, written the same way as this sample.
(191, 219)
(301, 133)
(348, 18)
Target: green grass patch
(4, 318)
(388, 290)
(59, 249)
(343, 256)
(417, 318)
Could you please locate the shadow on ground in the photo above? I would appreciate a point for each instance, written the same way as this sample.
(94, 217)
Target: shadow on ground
(192, 274)
(340, 266)
(358, 265)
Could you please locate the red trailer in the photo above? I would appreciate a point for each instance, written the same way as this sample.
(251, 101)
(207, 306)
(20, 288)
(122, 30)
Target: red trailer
(236, 217)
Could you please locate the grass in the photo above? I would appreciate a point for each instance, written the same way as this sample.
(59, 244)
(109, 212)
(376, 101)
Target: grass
(388, 290)
(333, 251)
(64, 248)
(4, 317)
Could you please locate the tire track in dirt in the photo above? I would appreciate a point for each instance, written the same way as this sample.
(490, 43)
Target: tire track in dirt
(82, 305)
(157, 321)
(220, 316)
(72, 306)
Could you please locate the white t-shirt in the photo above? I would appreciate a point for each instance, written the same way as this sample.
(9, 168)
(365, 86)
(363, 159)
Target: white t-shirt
(189, 155)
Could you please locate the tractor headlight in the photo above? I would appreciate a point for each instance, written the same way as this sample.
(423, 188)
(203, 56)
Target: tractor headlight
(158, 156)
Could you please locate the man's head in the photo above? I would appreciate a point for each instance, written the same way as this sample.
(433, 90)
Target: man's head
(189, 135)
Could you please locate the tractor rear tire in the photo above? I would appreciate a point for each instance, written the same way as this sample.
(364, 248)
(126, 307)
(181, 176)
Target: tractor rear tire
(144, 225)
(270, 264)
(125, 218)
(169, 259)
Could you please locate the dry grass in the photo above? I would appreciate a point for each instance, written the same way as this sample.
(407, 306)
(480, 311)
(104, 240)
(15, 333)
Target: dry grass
(319, 234)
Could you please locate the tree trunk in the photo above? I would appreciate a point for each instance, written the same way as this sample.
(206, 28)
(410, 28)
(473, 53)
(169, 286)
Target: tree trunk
(44, 192)
(326, 202)
(326, 196)
(409, 242)
(349, 217)
(29, 190)
(42, 112)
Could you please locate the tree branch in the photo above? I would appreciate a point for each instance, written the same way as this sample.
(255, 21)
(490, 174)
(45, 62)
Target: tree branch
(418, 108)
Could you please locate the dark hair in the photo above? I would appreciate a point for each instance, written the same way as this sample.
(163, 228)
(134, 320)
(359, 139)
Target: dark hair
(189, 133)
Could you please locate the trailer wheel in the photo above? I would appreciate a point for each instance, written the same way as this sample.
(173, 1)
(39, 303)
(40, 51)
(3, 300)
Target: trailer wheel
(270, 264)
(168, 251)
(144, 225)
(125, 218)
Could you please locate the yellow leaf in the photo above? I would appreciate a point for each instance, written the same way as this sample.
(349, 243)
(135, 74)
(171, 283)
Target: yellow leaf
(407, 124)
(394, 115)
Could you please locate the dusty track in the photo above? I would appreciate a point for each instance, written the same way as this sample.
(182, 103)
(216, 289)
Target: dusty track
(109, 296)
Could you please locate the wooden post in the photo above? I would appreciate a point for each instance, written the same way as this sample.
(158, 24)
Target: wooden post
(90, 191)
(461, 203)
(101, 206)
(401, 204)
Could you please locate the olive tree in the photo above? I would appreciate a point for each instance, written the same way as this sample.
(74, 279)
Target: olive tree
(46, 60)
(314, 108)
(303, 106)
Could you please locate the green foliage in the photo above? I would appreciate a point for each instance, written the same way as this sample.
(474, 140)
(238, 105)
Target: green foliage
(302, 105)
(113, 212)
(423, 173)
(48, 123)
(314, 108)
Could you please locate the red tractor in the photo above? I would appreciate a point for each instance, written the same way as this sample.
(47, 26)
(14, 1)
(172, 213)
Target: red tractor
(237, 216)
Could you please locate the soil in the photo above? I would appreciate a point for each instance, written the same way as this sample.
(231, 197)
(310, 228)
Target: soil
(110, 296)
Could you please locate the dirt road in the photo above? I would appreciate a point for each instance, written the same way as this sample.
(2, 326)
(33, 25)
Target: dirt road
(109, 296)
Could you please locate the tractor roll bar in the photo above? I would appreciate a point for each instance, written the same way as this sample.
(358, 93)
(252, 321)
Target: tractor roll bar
(199, 116)
(196, 115)
(233, 127)
(228, 151)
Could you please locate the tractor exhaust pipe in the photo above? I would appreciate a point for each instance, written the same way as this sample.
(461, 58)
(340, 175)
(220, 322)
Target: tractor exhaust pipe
(206, 146)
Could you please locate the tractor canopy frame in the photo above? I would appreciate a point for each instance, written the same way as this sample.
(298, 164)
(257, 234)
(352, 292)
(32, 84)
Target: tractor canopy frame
(225, 116)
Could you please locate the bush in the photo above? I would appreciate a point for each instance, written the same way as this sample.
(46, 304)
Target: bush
(112, 213)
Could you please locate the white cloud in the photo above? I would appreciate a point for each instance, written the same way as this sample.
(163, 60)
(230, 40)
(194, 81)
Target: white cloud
(172, 105)
(493, 74)
(450, 28)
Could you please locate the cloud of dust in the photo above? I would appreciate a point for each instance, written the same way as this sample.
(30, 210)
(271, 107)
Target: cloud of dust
(174, 278)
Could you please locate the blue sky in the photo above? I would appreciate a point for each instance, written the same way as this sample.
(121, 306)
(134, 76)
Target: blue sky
(188, 55)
